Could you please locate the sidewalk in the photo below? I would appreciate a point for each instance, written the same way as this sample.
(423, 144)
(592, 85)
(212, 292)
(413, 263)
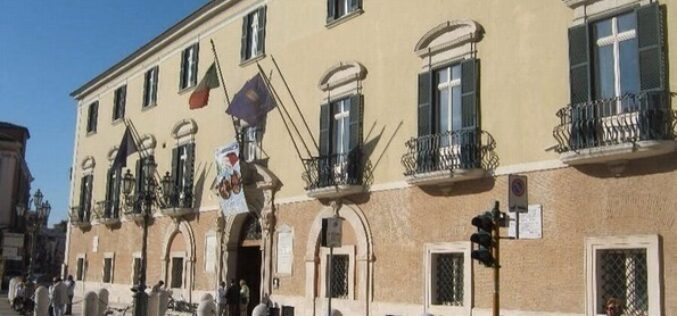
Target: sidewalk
(5, 307)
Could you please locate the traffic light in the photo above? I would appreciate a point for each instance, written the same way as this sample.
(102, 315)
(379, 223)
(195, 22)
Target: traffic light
(484, 239)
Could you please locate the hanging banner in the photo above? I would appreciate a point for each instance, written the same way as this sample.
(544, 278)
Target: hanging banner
(229, 180)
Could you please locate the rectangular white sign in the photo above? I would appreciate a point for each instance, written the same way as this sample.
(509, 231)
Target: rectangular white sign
(13, 240)
(530, 224)
(210, 253)
(284, 252)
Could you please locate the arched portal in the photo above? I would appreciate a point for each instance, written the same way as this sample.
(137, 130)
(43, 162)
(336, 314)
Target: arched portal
(248, 266)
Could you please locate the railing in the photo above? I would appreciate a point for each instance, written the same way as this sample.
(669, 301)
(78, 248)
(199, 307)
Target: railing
(78, 215)
(107, 209)
(453, 150)
(180, 197)
(332, 170)
(627, 119)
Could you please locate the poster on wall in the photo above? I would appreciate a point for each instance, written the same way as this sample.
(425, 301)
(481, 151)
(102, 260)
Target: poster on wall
(229, 180)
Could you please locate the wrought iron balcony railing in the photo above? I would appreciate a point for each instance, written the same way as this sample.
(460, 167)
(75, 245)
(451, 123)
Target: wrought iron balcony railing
(453, 150)
(333, 170)
(79, 216)
(107, 209)
(627, 119)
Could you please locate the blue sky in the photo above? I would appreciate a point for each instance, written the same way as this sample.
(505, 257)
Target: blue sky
(50, 48)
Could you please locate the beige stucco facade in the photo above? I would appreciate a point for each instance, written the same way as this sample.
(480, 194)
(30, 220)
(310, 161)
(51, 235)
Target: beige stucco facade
(393, 222)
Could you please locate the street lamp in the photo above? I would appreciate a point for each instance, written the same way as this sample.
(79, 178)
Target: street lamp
(34, 220)
(144, 198)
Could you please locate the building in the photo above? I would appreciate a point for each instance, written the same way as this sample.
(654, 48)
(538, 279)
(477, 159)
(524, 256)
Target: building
(15, 180)
(420, 111)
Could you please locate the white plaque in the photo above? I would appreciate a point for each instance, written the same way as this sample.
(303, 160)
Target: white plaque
(13, 240)
(530, 224)
(210, 253)
(284, 252)
(11, 253)
(95, 244)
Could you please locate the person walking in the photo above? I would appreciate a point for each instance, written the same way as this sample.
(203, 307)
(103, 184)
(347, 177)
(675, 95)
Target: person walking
(244, 298)
(159, 286)
(58, 297)
(233, 298)
(70, 291)
(221, 300)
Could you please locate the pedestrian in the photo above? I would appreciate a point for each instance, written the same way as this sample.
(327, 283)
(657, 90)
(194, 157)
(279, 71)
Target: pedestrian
(221, 300)
(70, 287)
(244, 297)
(58, 297)
(614, 307)
(159, 286)
(233, 298)
(19, 295)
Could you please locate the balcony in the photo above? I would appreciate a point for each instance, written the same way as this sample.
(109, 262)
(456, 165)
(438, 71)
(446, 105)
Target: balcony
(334, 176)
(178, 204)
(617, 129)
(132, 209)
(445, 158)
(79, 217)
(107, 213)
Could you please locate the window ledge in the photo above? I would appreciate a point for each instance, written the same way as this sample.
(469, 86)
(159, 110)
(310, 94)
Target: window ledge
(148, 107)
(118, 121)
(187, 89)
(335, 22)
(109, 221)
(445, 177)
(335, 191)
(626, 151)
(252, 60)
(134, 216)
(177, 211)
(90, 133)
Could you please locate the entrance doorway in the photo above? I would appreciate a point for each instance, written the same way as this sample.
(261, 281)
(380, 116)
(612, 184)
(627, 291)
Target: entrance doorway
(249, 260)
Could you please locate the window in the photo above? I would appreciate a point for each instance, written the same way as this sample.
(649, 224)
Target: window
(113, 192)
(92, 116)
(341, 140)
(177, 272)
(617, 57)
(85, 197)
(80, 269)
(251, 139)
(150, 87)
(136, 270)
(448, 278)
(189, 58)
(119, 103)
(253, 34)
(337, 9)
(338, 276)
(140, 182)
(107, 270)
(625, 268)
(183, 158)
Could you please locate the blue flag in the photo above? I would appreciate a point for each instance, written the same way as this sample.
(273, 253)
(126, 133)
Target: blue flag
(252, 102)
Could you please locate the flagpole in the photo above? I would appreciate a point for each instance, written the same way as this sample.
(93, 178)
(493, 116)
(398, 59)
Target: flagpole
(296, 104)
(298, 152)
(136, 138)
(236, 122)
(279, 101)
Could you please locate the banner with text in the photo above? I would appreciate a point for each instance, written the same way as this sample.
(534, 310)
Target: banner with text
(229, 180)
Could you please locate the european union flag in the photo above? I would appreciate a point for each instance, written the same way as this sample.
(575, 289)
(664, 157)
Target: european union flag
(252, 102)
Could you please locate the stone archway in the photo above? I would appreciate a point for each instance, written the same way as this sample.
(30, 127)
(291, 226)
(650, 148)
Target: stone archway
(179, 249)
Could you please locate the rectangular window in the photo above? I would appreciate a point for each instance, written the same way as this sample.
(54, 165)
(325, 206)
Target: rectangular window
(136, 272)
(80, 269)
(107, 270)
(140, 183)
(189, 59)
(177, 272)
(183, 158)
(119, 103)
(447, 279)
(253, 34)
(623, 275)
(251, 139)
(92, 116)
(85, 197)
(337, 9)
(113, 193)
(338, 276)
(150, 87)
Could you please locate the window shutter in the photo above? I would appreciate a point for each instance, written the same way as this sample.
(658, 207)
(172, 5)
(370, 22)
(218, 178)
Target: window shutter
(262, 31)
(116, 191)
(83, 190)
(245, 42)
(469, 104)
(95, 116)
(425, 116)
(175, 177)
(324, 130)
(109, 191)
(88, 195)
(355, 4)
(184, 60)
(356, 111)
(123, 101)
(579, 64)
(650, 45)
(196, 59)
(331, 10)
(190, 164)
(146, 87)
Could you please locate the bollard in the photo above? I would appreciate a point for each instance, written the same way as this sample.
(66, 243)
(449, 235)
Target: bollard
(154, 304)
(41, 301)
(334, 312)
(90, 304)
(163, 301)
(260, 310)
(103, 301)
(207, 306)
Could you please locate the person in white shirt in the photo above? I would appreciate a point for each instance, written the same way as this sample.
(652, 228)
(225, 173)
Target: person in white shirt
(221, 300)
(58, 294)
(70, 290)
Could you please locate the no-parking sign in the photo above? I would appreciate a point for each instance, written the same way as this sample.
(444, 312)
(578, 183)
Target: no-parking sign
(518, 194)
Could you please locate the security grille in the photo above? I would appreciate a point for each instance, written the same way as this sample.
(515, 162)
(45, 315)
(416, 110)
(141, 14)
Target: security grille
(338, 287)
(624, 277)
(448, 279)
(107, 270)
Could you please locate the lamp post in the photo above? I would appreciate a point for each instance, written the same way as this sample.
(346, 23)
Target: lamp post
(34, 220)
(144, 199)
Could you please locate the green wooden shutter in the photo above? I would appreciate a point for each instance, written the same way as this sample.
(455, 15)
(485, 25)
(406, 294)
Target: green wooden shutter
(95, 115)
(175, 178)
(331, 10)
(196, 59)
(650, 45)
(182, 78)
(325, 143)
(83, 190)
(146, 87)
(579, 64)
(356, 111)
(261, 31)
(245, 37)
(109, 192)
(469, 105)
(116, 192)
(189, 174)
(425, 115)
(156, 80)
(123, 101)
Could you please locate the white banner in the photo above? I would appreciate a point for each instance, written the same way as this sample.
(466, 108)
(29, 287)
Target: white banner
(229, 180)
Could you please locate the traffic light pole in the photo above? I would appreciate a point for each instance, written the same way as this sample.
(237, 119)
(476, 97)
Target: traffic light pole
(497, 266)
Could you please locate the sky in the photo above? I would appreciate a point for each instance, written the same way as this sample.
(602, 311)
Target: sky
(49, 48)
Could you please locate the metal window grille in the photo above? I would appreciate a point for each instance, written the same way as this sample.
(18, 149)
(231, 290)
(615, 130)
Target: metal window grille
(448, 279)
(177, 273)
(79, 274)
(338, 286)
(623, 275)
(107, 270)
(137, 270)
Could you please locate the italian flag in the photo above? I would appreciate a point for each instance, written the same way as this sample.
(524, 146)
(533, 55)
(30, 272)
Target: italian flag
(200, 95)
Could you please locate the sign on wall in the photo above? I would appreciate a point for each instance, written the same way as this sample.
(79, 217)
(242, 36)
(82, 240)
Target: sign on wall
(518, 194)
(331, 232)
(284, 252)
(210, 253)
(528, 225)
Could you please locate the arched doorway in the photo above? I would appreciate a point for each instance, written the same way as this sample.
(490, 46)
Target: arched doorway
(249, 259)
